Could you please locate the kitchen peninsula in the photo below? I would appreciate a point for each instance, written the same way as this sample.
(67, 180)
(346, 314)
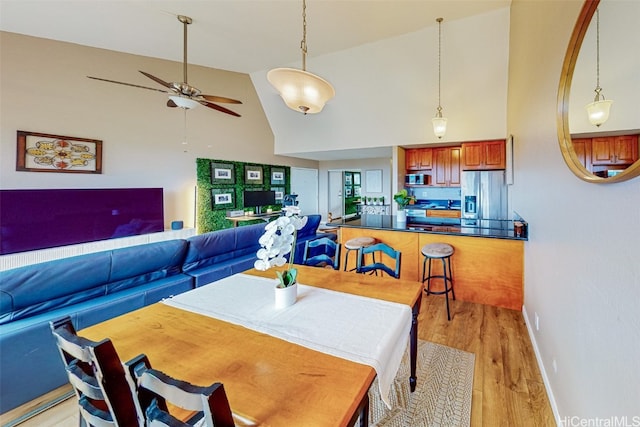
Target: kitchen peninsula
(487, 264)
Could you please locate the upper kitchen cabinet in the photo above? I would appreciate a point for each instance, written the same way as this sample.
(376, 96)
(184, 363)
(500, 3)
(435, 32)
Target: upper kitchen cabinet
(419, 159)
(485, 155)
(614, 150)
(606, 156)
(582, 147)
(446, 163)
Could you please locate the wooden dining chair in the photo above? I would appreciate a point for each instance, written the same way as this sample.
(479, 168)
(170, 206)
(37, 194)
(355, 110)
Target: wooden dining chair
(377, 251)
(322, 252)
(154, 389)
(98, 378)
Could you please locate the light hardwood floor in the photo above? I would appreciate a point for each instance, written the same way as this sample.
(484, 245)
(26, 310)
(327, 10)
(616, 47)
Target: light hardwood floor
(507, 386)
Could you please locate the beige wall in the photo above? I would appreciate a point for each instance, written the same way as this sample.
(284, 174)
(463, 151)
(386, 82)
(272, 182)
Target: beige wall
(582, 261)
(44, 89)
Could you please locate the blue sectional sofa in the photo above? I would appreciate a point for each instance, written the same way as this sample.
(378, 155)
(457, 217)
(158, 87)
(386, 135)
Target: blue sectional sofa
(96, 287)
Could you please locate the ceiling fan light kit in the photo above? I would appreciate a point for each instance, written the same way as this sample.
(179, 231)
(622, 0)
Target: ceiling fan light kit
(439, 122)
(301, 91)
(182, 94)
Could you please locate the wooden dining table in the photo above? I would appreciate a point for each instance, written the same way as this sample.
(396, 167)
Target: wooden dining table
(269, 381)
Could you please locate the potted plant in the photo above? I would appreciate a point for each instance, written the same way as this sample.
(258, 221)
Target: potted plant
(278, 240)
(402, 198)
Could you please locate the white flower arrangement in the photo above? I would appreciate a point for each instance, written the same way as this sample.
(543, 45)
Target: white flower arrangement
(278, 240)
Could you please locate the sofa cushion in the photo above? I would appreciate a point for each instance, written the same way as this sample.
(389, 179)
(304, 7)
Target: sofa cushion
(136, 265)
(214, 247)
(39, 288)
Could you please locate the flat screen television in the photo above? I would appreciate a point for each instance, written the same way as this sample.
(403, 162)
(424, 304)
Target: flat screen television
(39, 219)
(258, 198)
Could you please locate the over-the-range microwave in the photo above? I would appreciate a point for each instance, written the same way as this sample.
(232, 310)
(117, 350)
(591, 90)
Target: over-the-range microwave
(417, 179)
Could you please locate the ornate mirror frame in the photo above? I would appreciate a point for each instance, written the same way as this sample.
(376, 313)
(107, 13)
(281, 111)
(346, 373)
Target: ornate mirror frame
(564, 135)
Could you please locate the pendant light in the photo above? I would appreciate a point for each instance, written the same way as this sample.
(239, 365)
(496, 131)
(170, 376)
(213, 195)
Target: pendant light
(598, 110)
(301, 91)
(439, 122)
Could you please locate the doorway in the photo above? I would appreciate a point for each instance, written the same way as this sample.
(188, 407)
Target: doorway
(336, 202)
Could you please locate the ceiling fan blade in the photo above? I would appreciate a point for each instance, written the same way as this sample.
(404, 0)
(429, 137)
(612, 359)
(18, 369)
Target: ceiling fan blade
(213, 98)
(219, 108)
(157, 80)
(171, 104)
(128, 84)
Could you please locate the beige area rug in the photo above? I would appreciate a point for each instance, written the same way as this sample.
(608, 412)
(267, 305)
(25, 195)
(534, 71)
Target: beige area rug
(442, 396)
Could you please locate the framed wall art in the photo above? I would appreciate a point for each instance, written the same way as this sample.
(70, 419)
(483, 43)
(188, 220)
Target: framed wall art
(279, 193)
(277, 176)
(42, 152)
(222, 173)
(252, 175)
(223, 198)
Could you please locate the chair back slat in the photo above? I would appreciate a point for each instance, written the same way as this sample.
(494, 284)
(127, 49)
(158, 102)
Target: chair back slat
(154, 389)
(322, 252)
(379, 249)
(98, 378)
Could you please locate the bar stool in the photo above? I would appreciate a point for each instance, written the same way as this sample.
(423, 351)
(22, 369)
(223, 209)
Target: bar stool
(354, 245)
(443, 252)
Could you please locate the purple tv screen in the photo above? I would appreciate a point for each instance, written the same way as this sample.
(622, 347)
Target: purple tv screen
(38, 219)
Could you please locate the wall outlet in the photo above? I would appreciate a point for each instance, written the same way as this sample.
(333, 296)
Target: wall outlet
(536, 320)
(554, 364)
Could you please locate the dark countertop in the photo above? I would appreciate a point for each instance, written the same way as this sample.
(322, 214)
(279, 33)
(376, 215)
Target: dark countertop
(499, 229)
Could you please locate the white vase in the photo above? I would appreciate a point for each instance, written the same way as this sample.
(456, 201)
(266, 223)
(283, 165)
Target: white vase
(402, 216)
(286, 297)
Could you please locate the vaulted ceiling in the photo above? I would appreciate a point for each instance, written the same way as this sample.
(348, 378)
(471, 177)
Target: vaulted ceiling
(236, 35)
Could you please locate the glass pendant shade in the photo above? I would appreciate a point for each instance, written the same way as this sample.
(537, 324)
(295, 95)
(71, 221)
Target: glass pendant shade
(598, 111)
(301, 91)
(439, 126)
(184, 102)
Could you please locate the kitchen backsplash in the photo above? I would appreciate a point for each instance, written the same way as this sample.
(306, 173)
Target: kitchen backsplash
(442, 193)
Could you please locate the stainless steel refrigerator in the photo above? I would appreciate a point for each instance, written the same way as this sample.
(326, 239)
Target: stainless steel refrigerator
(483, 195)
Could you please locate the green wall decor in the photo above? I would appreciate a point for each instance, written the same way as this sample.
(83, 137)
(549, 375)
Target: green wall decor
(220, 188)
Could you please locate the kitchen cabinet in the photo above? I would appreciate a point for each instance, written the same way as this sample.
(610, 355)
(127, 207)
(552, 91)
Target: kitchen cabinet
(419, 159)
(485, 155)
(614, 150)
(582, 148)
(446, 163)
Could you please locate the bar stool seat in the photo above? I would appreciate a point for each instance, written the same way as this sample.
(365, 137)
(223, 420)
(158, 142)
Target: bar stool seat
(354, 245)
(443, 252)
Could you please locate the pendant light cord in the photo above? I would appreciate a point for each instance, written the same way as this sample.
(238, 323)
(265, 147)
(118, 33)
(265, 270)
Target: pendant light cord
(439, 56)
(598, 88)
(303, 43)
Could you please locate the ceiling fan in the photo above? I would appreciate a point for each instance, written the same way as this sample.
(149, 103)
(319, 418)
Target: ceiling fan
(182, 94)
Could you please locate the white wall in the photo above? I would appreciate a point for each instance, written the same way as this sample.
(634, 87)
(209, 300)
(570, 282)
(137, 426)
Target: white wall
(582, 260)
(44, 89)
(387, 92)
(361, 165)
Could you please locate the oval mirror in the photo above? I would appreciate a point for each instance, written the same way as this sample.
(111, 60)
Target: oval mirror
(608, 55)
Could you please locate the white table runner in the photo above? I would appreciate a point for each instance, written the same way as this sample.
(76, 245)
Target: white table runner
(364, 330)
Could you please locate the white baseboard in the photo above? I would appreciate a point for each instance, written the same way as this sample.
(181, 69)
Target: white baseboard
(543, 371)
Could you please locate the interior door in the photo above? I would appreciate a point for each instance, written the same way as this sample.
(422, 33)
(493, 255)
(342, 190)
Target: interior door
(336, 201)
(304, 183)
